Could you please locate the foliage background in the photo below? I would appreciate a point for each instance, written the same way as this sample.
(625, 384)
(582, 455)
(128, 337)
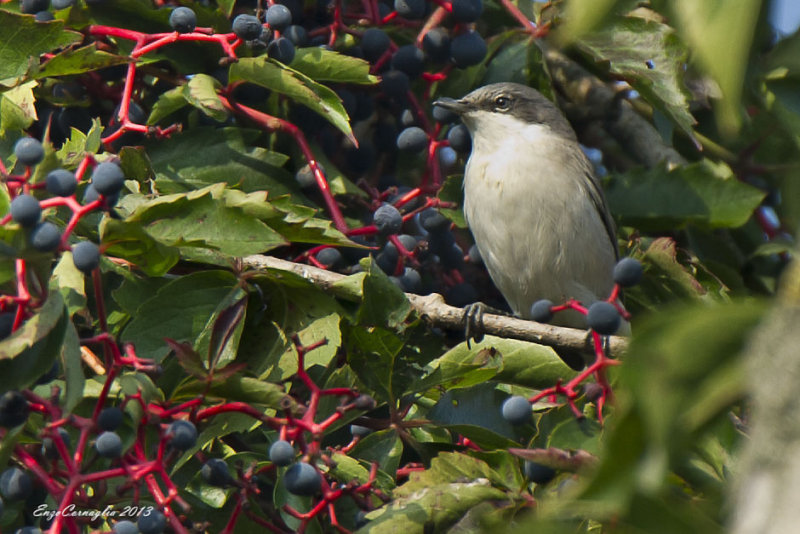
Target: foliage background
(708, 203)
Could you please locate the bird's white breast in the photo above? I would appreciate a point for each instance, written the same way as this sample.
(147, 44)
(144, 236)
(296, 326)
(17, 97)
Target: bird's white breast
(527, 205)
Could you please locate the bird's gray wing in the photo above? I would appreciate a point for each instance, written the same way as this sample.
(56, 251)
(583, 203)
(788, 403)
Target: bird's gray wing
(595, 191)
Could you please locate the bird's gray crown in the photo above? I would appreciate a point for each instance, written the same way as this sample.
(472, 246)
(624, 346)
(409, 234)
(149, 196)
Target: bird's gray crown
(517, 100)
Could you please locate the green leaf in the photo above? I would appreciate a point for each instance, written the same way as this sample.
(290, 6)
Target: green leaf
(30, 351)
(201, 92)
(78, 61)
(478, 406)
(576, 434)
(707, 28)
(582, 16)
(241, 389)
(383, 302)
(179, 310)
(79, 144)
(72, 365)
(16, 108)
(453, 191)
(435, 499)
(268, 73)
(70, 282)
(24, 40)
(703, 193)
(168, 103)
(129, 241)
(205, 156)
(201, 219)
(329, 66)
(383, 446)
(651, 58)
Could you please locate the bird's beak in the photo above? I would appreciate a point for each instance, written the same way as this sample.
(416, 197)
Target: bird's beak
(451, 104)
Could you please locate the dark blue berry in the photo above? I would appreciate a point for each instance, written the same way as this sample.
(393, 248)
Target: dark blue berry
(183, 20)
(109, 418)
(364, 402)
(26, 210)
(49, 448)
(395, 83)
(436, 44)
(538, 473)
(517, 410)
(409, 59)
(541, 311)
(459, 138)
(63, 4)
(330, 257)
(410, 9)
(247, 27)
(86, 256)
(15, 484)
(468, 49)
(29, 151)
(281, 49)
(125, 527)
(412, 139)
(603, 318)
(13, 406)
(297, 34)
(182, 435)
(433, 221)
(43, 16)
(61, 183)
(108, 178)
(45, 237)
(281, 453)
(215, 472)
(374, 43)
(29, 7)
(278, 17)
(388, 220)
(6, 325)
(153, 523)
(445, 116)
(302, 479)
(467, 10)
(628, 272)
(108, 445)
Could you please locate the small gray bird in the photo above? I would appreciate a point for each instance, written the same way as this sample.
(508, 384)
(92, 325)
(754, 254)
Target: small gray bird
(532, 201)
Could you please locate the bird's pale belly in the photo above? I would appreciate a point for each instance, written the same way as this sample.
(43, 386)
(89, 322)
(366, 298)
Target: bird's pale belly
(529, 248)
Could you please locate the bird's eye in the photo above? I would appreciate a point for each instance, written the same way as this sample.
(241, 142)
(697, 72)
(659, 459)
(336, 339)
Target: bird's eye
(502, 103)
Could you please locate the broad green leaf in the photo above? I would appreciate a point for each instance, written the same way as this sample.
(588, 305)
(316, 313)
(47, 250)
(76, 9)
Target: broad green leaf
(168, 103)
(201, 219)
(329, 66)
(74, 379)
(297, 86)
(432, 509)
(650, 57)
(707, 28)
(576, 434)
(703, 193)
(24, 40)
(30, 352)
(201, 92)
(478, 406)
(453, 191)
(205, 156)
(78, 61)
(70, 282)
(179, 310)
(16, 108)
(241, 389)
(129, 241)
(79, 144)
(383, 446)
(136, 164)
(383, 302)
(582, 16)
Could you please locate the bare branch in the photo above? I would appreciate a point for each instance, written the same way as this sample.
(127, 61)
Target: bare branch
(433, 309)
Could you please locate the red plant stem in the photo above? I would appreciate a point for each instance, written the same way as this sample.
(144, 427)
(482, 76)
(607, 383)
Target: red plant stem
(276, 124)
